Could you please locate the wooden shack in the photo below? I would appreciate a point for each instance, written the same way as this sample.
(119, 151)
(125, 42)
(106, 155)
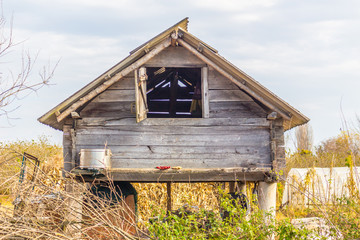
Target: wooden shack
(174, 101)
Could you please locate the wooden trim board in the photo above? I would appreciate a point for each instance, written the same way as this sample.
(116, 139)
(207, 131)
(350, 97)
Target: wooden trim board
(182, 175)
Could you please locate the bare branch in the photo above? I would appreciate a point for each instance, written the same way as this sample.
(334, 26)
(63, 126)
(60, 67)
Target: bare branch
(17, 85)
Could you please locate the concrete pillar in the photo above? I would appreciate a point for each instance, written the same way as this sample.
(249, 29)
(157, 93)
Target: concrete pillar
(267, 198)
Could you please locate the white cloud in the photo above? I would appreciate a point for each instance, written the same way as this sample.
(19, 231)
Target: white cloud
(325, 33)
(234, 5)
(244, 18)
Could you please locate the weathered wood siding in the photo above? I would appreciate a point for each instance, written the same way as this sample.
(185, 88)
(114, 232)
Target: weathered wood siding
(202, 144)
(236, 134)
(175, 57)
(277, 145)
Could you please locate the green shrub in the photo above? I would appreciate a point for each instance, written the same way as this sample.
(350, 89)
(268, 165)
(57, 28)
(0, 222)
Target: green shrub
(202, 224)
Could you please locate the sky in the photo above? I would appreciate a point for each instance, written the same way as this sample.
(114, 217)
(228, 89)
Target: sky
(306, 52)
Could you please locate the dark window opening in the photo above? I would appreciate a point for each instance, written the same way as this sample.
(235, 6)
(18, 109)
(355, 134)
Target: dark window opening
(174, 92)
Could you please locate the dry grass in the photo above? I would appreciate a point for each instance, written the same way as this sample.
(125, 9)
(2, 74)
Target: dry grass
(45, 209)
(50, 156)
(153, 197)
(51, 218)
(45, 205)
(49, 212)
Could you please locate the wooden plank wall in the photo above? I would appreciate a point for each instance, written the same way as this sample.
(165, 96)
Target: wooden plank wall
(175, 57)
(237, 133)
(201, 145)
(227, 100)
(278, 145)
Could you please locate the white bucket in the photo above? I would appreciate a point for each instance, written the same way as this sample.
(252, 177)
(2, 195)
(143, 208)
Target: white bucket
(95, 159)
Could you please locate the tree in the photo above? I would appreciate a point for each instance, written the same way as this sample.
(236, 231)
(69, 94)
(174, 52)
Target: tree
(304, 137)
(16, 86)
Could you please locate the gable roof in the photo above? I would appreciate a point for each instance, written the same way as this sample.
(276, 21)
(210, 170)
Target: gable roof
(292, 117)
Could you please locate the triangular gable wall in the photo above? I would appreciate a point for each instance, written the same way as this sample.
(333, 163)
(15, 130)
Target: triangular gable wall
(262, 95)
(225, 98)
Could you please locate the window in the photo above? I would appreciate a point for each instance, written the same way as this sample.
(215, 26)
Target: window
(174, 92)
(169, 92)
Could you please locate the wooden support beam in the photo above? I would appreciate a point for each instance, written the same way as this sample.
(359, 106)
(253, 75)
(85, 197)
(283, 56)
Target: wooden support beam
(173, 94)
(272, 116)
(168, 189)
(114, 79)
(140, 94)
(183, 175)
(273, 147)
(231, 78)
(238, 187)
(75, 115)
(174, 37)
(73, 147)
(205, 92)
(67, 149)
(232, 187)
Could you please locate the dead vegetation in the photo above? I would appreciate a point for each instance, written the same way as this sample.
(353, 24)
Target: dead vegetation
(45, 210)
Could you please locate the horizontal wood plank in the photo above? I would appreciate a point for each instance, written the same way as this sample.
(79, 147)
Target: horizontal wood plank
(173, 130)
(253, 138)
(220, 95)
(115, 96)
(118, 162)
(185, 175)
(236, 110)
(174, 57)
(126, 83)
(218, 81)
(178, 151)
(108, 109)
(109, 121)
(164, 106)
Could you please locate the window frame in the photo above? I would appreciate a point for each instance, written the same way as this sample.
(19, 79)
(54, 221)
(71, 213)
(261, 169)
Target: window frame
(141, 105)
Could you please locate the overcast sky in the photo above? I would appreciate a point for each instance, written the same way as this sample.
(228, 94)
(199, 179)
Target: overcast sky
(307, 52)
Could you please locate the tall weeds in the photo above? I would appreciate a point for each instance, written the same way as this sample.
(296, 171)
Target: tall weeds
(341, 212)
(47, 209)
